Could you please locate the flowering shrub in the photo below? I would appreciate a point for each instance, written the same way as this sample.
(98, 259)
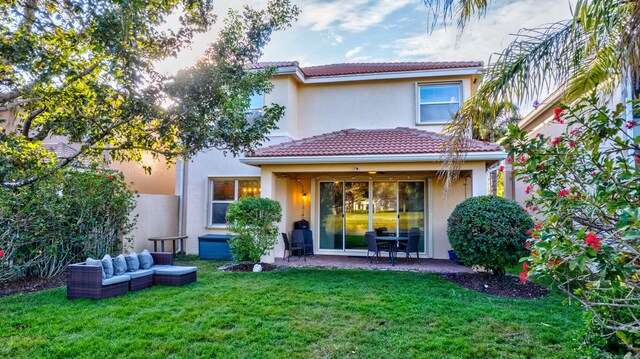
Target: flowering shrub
(489, 231)
(584, 187)
(63, 219)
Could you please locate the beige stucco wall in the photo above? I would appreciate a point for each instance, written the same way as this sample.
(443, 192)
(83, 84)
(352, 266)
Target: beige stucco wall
(161, 180)
(443, 205)
(323, 108)
(157, 216)
(285, 93)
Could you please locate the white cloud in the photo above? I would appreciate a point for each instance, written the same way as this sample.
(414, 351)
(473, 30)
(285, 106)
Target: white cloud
(353, 15)
(488, 35)
(353, 52)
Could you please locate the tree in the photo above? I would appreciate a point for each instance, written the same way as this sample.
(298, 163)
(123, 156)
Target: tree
(84, 69)
(594, 49)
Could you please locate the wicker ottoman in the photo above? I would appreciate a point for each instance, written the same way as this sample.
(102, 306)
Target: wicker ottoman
(175, 275)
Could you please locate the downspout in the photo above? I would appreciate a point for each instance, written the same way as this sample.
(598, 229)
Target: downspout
(182, 202)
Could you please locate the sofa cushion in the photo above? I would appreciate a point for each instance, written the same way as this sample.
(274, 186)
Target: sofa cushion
(141, 273)
(116, 279)
(107, 265)
(175, 270)
(96, 263)
(119, 265)
(146, 260)
(133, 263)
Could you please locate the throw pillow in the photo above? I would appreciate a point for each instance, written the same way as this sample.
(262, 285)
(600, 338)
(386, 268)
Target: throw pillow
(133, 263)
(119, 265)
(107, 265)
(146, 260)
(96, 263)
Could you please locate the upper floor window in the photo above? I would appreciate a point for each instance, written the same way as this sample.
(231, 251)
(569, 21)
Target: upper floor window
(256, 102)
(436, 102)
(224, 191)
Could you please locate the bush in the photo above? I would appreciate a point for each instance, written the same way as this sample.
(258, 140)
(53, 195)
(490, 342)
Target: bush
(62, 219)
(489, 231)
(255, 223)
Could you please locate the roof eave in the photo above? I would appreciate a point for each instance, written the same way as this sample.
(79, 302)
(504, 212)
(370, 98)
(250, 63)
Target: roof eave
(423, 157)
(393, 75)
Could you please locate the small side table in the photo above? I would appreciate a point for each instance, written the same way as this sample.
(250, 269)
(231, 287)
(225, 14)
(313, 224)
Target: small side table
(173, 239)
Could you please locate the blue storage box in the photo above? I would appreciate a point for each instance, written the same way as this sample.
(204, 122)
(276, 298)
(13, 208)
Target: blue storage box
(214, 246)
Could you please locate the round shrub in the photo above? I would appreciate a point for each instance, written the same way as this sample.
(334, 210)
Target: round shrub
(489, 231)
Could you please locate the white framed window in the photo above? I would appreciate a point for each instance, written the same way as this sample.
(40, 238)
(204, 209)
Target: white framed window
(256, 103)
(437, 101)
(224, 191)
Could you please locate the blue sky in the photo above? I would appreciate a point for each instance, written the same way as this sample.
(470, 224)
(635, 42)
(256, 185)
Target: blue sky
(336, 31)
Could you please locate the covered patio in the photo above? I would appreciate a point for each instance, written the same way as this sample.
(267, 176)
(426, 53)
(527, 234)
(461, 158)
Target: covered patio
(348, 262)
(349, 182)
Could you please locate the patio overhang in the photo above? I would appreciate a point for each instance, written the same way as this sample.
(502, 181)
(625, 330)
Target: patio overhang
(399, 158)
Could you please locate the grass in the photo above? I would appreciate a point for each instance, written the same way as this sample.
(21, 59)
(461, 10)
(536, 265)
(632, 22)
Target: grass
(293, 313)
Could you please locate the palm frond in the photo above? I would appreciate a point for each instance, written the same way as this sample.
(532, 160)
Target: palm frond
(464, 10)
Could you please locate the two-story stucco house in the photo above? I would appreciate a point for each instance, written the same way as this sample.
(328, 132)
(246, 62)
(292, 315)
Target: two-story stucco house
(357, 150)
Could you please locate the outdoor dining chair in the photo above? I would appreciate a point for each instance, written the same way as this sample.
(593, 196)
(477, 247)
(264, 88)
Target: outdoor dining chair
(374, 246)
(293, 246)
(412, 245)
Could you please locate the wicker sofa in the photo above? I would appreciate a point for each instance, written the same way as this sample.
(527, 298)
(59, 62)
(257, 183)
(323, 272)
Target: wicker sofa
(85, 281)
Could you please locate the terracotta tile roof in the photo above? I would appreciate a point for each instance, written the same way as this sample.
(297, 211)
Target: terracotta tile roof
(61, 150)
(368, 68)
(262, 65)
(353, 142)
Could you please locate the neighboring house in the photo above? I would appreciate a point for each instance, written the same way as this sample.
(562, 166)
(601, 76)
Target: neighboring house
(540, 121)
(358, 149)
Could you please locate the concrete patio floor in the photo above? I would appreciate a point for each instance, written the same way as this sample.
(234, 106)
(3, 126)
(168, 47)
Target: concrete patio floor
(421, 265)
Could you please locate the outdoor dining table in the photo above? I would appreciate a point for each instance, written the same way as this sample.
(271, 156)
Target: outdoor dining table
(173, 239)
(393, 246)
(393, 233)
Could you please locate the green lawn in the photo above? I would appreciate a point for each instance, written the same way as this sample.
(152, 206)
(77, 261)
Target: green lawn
(305, 313)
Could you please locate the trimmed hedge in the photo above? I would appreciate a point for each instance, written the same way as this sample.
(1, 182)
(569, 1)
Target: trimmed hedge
(489, 231)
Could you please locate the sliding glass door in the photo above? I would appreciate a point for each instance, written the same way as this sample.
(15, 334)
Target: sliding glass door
(331, 215)
(356, 203)
(348, 209)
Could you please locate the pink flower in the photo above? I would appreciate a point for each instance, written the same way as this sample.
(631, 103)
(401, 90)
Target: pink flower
(593, 241)
(555, 141)
(594, 173)
(525, 266)
(522, 160)
(110, 177)
(528, 245)
(523, 277)
(537, 227)
(528, 189)
(60, 215)
(1, 254)
(572, 144)
(501, 169)
(563, 192)
(637, 159)
(631, 124)
(556, 115)
(508, 159)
